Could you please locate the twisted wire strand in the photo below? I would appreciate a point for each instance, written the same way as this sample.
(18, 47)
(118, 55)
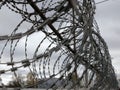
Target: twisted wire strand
(76, 53)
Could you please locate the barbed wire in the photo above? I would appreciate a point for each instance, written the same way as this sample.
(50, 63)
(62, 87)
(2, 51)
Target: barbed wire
(102, 1)
(75, 52)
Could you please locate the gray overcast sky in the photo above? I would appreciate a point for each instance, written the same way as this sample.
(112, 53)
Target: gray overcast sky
(107, 17)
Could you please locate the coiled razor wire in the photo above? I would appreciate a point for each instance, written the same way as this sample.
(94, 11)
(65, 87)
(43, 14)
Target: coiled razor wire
(76, 53)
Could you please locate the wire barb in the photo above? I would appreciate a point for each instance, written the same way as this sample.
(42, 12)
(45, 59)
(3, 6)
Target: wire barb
(70, 51)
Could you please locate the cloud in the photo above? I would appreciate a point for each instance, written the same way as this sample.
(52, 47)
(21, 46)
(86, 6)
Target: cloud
(107, 16)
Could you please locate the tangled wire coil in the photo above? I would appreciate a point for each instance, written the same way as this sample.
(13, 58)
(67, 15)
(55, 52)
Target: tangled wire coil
(76, 53)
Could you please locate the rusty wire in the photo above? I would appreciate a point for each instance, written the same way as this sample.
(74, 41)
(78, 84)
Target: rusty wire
(81, 54)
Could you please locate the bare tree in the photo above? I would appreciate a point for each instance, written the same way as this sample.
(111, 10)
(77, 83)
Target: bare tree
(19, 82)
(31, 80)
